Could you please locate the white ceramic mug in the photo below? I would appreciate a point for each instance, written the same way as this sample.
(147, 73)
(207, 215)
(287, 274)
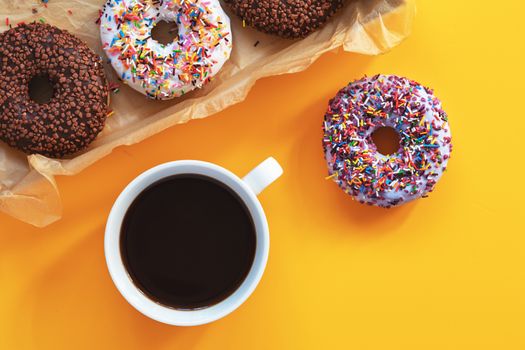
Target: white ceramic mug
(247, 188)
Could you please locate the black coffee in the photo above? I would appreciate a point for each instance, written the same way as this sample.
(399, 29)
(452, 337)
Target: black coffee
(188, 241)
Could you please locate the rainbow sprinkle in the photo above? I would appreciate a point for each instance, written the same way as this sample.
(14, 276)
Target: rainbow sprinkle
(164, 71)
(425, 141)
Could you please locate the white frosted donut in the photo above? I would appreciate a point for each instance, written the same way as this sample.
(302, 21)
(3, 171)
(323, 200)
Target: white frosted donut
(165, 71)
(352, 157)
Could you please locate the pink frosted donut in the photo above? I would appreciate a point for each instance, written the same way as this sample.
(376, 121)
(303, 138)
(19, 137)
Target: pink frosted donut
(352, 157)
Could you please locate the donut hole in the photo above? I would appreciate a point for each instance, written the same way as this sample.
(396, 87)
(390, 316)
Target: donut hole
(41, 89)
(165, 32)
(386, 139)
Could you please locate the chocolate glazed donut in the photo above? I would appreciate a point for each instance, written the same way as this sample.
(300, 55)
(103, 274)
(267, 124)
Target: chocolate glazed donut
(290, 19)
(77, 110)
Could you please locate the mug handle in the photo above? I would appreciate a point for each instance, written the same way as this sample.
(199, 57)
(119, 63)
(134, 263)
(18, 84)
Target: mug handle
(263, 175)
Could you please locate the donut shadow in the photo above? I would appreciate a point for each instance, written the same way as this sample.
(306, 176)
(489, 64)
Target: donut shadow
(76, 290)
(338, 211)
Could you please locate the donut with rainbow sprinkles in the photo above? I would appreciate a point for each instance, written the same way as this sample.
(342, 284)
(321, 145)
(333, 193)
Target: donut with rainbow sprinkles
(354, 162)
(202, 44)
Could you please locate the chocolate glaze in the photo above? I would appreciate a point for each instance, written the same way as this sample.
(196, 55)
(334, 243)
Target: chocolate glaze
(77, 111)
(286, 18)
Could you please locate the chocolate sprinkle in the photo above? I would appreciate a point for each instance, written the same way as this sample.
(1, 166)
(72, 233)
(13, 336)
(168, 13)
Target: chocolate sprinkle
(289, 19)
(76, 113)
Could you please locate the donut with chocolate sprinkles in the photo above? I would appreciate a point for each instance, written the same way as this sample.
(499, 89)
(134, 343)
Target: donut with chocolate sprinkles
(290, 19)
(76, 111)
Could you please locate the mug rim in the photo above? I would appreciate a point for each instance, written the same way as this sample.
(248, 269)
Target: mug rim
(121, 277)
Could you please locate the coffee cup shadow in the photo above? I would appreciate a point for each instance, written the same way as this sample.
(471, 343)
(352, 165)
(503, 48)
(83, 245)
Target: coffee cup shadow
(76, 289)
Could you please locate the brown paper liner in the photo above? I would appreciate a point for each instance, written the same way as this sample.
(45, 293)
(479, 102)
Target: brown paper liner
(27, 187)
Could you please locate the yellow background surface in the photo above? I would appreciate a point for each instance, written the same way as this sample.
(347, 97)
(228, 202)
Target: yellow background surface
(447, 272)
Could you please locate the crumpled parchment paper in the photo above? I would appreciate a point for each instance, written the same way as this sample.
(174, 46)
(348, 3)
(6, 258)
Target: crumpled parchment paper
(27, 187)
